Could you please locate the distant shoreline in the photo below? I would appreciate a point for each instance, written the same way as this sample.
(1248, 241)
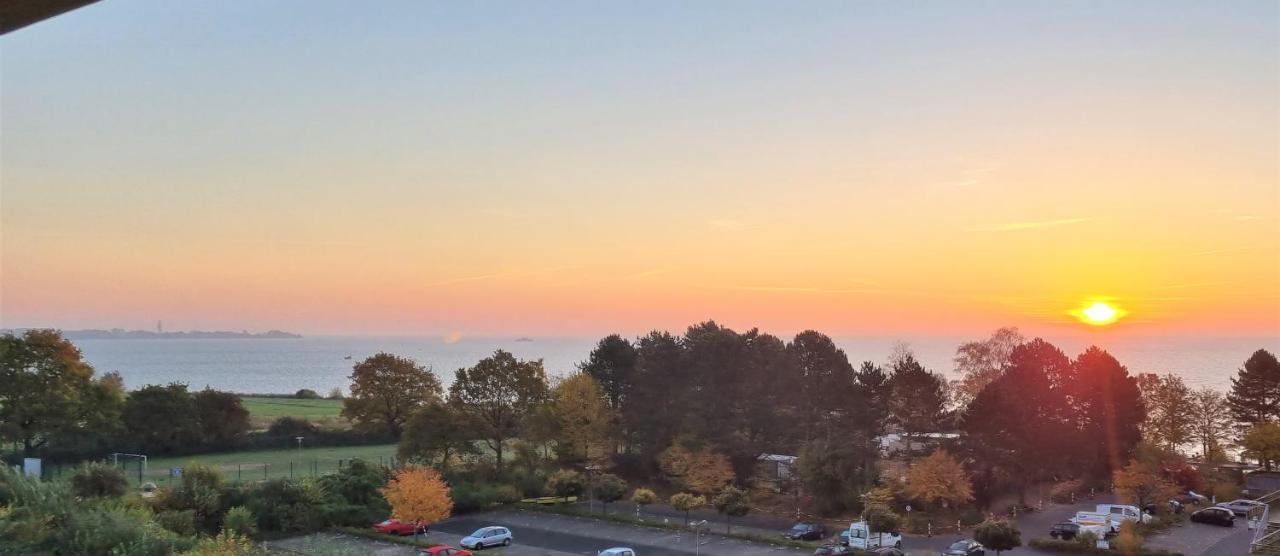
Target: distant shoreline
(121, 334)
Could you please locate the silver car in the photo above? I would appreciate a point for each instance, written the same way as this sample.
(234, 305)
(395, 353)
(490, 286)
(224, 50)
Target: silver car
(485, 537)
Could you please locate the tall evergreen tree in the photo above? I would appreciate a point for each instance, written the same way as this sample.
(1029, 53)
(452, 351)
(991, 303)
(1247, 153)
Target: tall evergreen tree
(918, 396)
(1108, 403)
(1255, 391)
(613, 364)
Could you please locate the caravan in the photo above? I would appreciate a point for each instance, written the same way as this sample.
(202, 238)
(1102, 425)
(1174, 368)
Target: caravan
(1100, 524)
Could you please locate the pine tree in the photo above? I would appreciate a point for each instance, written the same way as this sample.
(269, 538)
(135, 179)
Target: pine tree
(1255, 392)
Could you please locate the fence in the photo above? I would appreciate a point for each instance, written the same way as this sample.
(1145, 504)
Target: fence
(162, 473)
(1266, 533)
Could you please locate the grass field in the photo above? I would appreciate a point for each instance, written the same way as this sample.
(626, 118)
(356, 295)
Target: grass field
(262, 411)
(262, 464)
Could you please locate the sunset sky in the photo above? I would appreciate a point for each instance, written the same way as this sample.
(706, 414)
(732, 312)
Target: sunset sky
(548, 168)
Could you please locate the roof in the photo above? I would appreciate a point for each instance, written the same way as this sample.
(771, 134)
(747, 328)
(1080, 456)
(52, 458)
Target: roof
(778, 458)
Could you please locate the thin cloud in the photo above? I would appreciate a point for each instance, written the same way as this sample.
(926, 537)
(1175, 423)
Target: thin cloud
(1034, 225)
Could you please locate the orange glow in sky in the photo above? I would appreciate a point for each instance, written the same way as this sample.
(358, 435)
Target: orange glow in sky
(452, 169)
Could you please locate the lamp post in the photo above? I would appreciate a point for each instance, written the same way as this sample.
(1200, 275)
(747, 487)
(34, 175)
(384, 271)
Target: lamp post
(697, 537)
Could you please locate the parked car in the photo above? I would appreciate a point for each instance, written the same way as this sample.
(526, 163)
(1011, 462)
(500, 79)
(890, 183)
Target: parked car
(888, 551)
(832, 550)
(1065, 530)
(805, 531)
(444, 550)
(397, 527)
(1215, 515)
(1192, 497)
(965, 547)
(485, 537)
(1240, 507)
(617, 551)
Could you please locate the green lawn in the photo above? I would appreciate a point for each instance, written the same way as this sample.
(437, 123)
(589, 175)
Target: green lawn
(262, 411)
(261, 464)
(280, 407)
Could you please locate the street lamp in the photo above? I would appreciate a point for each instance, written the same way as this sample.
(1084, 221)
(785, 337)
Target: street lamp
(697, 537)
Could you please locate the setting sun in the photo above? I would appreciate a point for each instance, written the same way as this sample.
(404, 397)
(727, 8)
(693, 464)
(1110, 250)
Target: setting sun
(1099, 313)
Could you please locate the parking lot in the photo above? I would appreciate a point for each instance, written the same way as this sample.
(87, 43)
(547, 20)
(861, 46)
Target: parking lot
(545, 534)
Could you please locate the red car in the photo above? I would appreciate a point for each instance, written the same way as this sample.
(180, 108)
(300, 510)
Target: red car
(397, 527)
(444, 551)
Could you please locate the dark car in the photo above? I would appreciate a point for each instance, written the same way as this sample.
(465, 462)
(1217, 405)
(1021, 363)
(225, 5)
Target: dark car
(832, 550)
(1065, 530)
(1215, 515)
(966, 547)
(804, 531)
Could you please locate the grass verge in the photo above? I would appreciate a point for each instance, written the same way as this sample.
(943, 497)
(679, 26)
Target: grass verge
(252, 465)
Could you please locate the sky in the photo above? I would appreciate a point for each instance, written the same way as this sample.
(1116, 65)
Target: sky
(565, 168)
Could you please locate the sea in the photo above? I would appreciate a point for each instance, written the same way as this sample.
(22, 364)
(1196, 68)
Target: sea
(322, 363)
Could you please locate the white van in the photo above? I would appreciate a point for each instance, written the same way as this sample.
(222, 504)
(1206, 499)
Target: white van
(1121, 513)
(861, 538)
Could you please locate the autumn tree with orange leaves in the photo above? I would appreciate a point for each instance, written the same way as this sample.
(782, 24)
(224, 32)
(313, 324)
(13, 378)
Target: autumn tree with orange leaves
(939, 478)
(703, 471)
(418, 495)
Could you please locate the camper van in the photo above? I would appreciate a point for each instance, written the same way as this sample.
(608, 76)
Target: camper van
(1121, 513)
(1099, 524)
(861, 537)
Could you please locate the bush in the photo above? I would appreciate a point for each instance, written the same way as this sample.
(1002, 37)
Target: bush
(182, 522)
(531, 484)
(200, 490)
(507, 494)
(306, 394)
(99, 480)
(998, 535)
(565, 483)
(292, 426)
(240, 520)
(608, 489)
(644, 497)
(471, 497)
(286, 505)
(335, 394)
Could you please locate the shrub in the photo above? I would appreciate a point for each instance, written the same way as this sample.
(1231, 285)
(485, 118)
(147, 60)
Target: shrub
(531, 484)
(292, 426)
(471, 497)
(286, 505)
(335, 394)
(240, 520)
(1088, 539)
(99, 480)
(182, 522)
(998, 535)
(1129, 541)
(507, 494)
(643, 497)
(686, 502)
(306, 394)
(226, 543)
(200, 490)
(565, 483)
(358, 484)
(608, 489)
